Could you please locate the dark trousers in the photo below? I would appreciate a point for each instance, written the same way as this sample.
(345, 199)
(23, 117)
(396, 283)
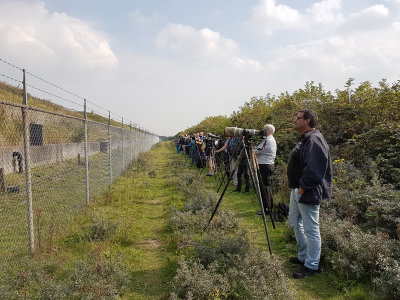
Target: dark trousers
(265, 183)
(243, 168)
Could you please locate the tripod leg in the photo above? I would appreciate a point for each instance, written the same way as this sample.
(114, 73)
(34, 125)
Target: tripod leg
(267, 195)
(252, 164)
(222, 181)
(226, 186)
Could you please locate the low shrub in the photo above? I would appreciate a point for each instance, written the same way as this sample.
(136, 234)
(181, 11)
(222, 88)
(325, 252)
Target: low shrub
(218, 262)
(354, 254)
(256, 275)
(218, 246)
(91, 278)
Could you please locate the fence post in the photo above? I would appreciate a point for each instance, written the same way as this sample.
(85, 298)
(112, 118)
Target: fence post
(123, 156)
(130, 139)
(109, 146)
(86, 153)
(28, 178)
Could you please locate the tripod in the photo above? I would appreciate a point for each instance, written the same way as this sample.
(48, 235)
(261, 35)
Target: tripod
(248, 152)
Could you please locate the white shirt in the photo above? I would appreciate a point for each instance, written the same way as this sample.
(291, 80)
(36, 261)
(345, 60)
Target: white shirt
(266, 151)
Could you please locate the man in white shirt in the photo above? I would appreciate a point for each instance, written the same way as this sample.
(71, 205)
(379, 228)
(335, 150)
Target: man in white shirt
(266, 153)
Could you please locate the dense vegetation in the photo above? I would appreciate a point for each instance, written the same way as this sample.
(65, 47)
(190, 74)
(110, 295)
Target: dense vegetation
(360, 225)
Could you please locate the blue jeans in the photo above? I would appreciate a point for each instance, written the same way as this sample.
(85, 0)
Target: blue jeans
(304, 219)
(178, 147)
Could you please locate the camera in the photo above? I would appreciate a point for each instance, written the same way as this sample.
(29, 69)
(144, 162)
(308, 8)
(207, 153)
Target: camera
(213, 136)
(247, 133)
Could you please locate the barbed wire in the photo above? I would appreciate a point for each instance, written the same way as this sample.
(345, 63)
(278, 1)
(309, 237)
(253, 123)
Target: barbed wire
(10, 64)
(51, 94)
(54, 85)
(8, 77)
(71, 93)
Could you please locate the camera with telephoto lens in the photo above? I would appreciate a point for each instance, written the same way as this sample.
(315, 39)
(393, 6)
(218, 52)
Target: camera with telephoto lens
(212, 136)
(211, 140)
(243, 132)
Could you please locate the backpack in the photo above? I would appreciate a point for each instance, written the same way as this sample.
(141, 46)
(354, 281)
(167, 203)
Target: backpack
(201, 162)
(233, 148)
(283, 212)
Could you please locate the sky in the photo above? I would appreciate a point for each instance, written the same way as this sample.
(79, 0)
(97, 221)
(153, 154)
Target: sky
(167, 64)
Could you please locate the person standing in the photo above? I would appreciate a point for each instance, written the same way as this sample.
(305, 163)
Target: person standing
(230, 147)
(266, 153)
(309, 174)
(243, 169)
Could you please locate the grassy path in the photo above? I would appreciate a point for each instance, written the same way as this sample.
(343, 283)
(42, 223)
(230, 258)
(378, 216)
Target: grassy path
(146, 200)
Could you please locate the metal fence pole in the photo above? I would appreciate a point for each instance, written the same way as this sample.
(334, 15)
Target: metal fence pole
(109, 146)
(28, 179)
(123, 156)
(86, 154)
(130, 139)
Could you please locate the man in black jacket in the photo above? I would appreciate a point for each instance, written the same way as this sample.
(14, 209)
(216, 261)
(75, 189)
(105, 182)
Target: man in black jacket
(310, 178)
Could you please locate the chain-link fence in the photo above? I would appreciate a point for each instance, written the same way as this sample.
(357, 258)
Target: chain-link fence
(51, 166)
(61, 180)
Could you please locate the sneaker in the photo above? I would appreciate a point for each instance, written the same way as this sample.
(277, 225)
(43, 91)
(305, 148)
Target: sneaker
(304, 272)
(210, 174)
(236, 191)
(296, 260)
(246, 191)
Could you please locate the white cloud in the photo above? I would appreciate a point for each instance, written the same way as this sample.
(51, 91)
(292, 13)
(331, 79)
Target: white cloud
(28, 30)
(370, 19)
(267, 16)
(377, 10)
(326, 12)
(204, 45)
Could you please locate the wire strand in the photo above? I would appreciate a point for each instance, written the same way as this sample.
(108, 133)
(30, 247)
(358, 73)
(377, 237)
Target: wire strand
(136, 125)
(10, 64)
(16, 80)
(46, 92)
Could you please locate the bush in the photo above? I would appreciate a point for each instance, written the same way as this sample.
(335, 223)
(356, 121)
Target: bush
(256, 275)
(375, 208)
(354, 254)
(384, 152)
(218, 246)
(91, 278)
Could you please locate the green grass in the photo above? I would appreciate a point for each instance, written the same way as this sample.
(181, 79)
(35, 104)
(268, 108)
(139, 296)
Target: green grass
(59, 194)
(127, 224)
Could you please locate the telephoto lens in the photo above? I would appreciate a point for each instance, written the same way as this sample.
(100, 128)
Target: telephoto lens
(234, 131)
(239, 132)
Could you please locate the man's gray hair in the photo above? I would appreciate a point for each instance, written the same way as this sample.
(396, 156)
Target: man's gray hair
(270, 127)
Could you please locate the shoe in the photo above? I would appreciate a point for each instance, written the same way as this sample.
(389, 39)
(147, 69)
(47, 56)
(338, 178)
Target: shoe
(246, 191)
(236, 191)
(210, 174)
(295, 260)
(260, 214)
(304, 272)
